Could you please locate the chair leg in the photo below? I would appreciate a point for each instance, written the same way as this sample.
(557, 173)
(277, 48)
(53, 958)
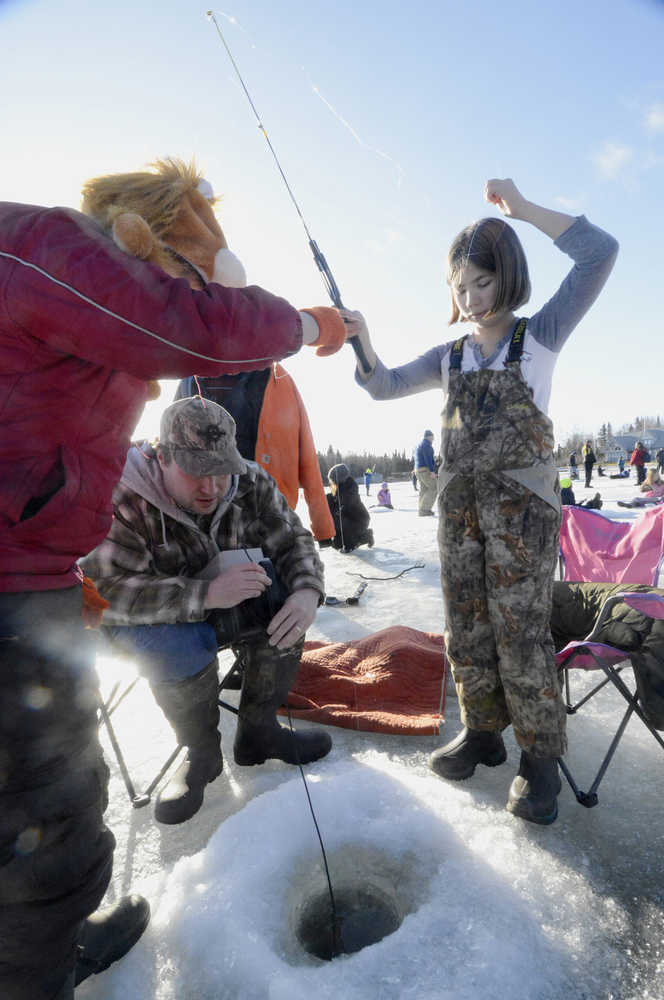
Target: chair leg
(583, 798)
(140, 799)
(590, 798)
(137, 800)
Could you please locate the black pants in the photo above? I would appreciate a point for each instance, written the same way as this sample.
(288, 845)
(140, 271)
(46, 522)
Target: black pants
(589, 472)
(640, 474)
(55, 852)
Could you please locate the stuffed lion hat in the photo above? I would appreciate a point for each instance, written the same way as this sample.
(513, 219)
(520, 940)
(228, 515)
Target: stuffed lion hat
(165, 215)
(169, 207)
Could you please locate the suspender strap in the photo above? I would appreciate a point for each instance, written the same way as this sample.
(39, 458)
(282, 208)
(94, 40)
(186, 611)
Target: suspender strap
(516, 343)
(513, 355)
(456, 354)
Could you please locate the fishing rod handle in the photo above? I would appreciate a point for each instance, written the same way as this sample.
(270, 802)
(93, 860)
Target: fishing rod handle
(335, 295)
(356, 344)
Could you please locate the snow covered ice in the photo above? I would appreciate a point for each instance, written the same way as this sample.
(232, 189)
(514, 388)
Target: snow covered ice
(491, 906)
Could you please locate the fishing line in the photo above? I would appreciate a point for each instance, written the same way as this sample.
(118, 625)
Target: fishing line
(319, 258)
(337, 942)
(418, 565)
(335, 929)
(358, 138)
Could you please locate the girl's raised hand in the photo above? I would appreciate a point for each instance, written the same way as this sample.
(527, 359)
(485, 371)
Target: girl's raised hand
(505, 195)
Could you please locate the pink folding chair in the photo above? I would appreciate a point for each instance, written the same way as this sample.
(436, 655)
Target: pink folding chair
(590, 654)
(593, 548)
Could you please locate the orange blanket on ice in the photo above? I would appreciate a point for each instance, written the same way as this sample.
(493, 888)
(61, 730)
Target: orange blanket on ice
(392, 681)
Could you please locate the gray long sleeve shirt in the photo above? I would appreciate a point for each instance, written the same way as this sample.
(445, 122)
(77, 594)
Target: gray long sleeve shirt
(593, 252)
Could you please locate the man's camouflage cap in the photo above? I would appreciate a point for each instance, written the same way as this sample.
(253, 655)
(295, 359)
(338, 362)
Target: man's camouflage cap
(200, 436)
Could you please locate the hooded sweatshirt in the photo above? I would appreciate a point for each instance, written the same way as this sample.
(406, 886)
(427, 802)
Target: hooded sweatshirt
(149, 565)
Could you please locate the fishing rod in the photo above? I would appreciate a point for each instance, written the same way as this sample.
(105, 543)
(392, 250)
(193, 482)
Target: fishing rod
(318, 255)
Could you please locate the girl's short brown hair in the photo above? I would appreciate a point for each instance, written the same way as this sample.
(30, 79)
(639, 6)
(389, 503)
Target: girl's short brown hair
(492, 245)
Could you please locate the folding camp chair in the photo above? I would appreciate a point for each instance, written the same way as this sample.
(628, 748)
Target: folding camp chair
(594, 548)
(106, 709)
(590, 654)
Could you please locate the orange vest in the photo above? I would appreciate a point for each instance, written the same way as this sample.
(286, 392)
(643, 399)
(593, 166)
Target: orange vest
(285, 443)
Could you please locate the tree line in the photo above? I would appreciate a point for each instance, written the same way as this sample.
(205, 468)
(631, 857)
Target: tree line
(396, 465)
(602, 438)
(399, 464)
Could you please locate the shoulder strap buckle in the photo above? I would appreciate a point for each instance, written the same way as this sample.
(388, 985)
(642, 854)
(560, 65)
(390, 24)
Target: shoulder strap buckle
(516, 343)
(456, 354)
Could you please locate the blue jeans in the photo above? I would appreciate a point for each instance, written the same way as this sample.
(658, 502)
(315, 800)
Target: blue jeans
(175, 652)
(167, 652)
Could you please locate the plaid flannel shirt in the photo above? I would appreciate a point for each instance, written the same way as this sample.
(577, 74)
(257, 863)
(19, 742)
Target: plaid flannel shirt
(146, 566)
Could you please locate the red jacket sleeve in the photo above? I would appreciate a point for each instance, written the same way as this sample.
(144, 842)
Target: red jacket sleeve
(65, 283)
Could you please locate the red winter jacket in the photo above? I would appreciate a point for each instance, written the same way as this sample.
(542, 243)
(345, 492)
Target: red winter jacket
(83, 327)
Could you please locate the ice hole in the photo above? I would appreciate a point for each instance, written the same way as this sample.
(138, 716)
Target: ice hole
(363, 915)
(373, 892)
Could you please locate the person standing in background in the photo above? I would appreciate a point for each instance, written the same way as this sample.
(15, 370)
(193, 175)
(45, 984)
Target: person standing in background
(425, 471)
(589, 460)
(573, 468)
(638, 460)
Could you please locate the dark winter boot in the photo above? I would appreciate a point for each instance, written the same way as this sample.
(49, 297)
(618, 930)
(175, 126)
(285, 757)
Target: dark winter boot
(109, 934)
(457, 760)
(267, 676)
(534, 791)
(191, 707)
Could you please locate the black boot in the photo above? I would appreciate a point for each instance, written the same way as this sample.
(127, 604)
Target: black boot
(457, 760)
(109, 934)
(534, 791)
(191, 706)
(267, 676)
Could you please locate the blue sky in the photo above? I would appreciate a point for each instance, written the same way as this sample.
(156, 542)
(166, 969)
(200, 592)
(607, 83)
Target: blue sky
(387, 119)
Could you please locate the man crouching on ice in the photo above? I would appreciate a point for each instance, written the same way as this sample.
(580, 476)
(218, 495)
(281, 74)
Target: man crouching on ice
(204, 552)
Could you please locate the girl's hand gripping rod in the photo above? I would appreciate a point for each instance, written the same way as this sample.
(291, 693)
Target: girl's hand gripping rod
(335, 295)
(321, 263)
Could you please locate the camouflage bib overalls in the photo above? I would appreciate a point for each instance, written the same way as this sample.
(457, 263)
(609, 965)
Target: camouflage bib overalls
(499, 506)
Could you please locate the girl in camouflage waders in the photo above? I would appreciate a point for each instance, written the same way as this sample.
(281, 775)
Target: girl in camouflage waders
(499, 495)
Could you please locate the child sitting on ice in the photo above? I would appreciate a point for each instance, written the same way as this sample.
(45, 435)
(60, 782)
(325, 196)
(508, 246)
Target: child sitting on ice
(384, 498)
(652, 483)
(568, 499)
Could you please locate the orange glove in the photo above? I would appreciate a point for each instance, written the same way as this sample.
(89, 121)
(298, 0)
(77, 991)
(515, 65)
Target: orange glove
(94, 604)
(332, 330)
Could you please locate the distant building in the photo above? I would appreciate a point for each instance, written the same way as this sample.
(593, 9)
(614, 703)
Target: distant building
(613, 450)
(652, 438)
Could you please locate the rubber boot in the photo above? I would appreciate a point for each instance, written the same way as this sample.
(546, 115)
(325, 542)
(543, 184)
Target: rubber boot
(533, 793)
(458, 759)
(109, 934)
(267, 676)
(191, 706)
